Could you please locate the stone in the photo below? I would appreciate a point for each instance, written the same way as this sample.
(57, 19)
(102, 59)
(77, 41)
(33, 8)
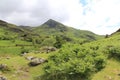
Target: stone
(2, 77)
(7, 57)
(48, 49)
(3, 66)
(23, 54)
(30, 58)
(119, 74)
(37, 61)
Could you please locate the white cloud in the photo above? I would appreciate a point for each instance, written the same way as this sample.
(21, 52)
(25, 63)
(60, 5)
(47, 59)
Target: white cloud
(99, 16)
(102, 16)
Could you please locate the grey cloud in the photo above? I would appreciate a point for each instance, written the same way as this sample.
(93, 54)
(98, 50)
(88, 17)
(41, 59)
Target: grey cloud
(7, 7)
(21, 12)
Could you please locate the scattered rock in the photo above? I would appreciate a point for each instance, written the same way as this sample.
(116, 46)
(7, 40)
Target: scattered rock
(119, 74)
(108, 77)
(8, 57)
(48, 49)
(23, 54)
(3, 66)
(37, 61)
(2, 77)
(30, 58)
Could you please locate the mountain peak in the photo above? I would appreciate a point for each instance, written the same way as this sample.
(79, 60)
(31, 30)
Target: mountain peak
(52, 23)
(51, 20)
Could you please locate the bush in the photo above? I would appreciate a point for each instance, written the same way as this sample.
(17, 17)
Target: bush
(73, 62)
(114, 52)
(24, 50)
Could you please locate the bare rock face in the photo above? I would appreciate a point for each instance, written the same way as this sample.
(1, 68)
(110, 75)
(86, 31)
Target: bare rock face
(37, 61)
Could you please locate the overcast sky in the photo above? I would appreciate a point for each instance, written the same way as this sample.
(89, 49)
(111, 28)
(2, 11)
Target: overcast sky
(99, 16)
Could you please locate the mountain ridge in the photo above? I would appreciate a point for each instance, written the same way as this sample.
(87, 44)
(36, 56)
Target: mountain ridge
(52, 26)
(46, 33)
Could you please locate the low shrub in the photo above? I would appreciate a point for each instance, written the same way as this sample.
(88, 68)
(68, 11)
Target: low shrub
(73, 62)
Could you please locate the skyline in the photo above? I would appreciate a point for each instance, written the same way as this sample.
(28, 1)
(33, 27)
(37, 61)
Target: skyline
(98, 16)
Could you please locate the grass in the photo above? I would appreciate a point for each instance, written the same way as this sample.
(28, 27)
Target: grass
(19, 69)
(14, 50)
(10, 43)
(18, 65)
(110, 72)
(8, 47)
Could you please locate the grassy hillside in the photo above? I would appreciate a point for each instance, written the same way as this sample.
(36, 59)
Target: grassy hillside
(14, 37)
(53, 28)
(18, 68)
(105, 52)
(80, 55)
(110, 72)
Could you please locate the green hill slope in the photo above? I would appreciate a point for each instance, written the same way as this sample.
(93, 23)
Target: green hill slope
(50, 29)
(92, 60)
(13, 38)
(77, 59)
(112, 46)
(51, 33)
(9, 30)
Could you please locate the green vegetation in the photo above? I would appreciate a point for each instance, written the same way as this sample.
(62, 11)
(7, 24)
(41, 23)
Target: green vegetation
(52, 29)
(111, 71)
(81, 62)
(73, 62)
(18, 67)
(69, 54)
(13, 38)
